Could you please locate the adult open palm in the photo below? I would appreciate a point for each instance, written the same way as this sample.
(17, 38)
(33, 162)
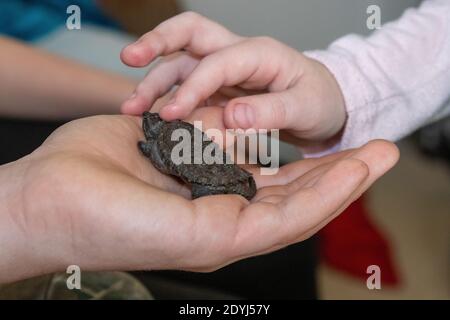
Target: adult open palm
(88, 197)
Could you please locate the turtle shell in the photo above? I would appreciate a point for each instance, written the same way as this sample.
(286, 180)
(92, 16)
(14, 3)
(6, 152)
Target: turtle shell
(201, 173)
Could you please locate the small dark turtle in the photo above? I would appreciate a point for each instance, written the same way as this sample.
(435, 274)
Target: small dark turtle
(205, 179)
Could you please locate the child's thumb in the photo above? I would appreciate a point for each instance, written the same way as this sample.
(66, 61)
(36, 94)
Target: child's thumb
(264, 111)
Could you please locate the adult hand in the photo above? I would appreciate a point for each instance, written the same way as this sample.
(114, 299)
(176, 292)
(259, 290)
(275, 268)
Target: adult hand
(88, 197)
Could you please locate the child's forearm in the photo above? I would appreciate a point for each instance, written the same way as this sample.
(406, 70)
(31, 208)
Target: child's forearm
(35, 84)
(396, 80)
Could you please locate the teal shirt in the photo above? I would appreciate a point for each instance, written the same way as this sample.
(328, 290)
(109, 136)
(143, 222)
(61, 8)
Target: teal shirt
(30, 19)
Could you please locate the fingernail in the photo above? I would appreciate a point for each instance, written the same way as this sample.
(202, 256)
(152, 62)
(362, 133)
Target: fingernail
(170, 108)
(132, 96)
(243, 115)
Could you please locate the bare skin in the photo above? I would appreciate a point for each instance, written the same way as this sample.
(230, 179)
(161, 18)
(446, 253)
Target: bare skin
(262, 83)
(36, 84)
(85, 198)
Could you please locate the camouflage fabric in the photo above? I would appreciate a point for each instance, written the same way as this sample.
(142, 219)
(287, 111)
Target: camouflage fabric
(94, 286)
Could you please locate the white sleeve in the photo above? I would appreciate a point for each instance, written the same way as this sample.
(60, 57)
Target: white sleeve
(396, 80)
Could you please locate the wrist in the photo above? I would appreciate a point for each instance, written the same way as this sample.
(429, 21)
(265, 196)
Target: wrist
(13, 255)
(331, 100)
(21, 255)
(322, 148)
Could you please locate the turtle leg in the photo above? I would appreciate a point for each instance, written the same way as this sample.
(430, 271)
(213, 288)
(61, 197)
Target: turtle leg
(150, 150)
(201, 190)
(247, 189)
(145, 147)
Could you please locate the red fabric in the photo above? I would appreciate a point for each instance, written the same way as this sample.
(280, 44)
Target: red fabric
(351, 243)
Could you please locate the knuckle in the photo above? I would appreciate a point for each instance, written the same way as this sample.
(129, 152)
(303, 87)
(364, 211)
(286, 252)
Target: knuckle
(356, 165)
(192, 17)
(155, 34)
(155, 39)
(141, 87)
(266, 41)
(212, 63)
(278, 108)
(144, 89)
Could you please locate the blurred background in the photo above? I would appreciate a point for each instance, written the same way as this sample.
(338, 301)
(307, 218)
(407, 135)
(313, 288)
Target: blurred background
(402, 224)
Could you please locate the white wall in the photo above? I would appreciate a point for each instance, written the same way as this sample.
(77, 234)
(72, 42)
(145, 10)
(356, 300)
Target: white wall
(303, 24)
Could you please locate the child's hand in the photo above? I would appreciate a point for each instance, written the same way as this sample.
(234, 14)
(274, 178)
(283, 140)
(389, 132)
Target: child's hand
(269, 85)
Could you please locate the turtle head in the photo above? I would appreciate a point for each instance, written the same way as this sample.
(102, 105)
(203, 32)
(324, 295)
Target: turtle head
(151, 124)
